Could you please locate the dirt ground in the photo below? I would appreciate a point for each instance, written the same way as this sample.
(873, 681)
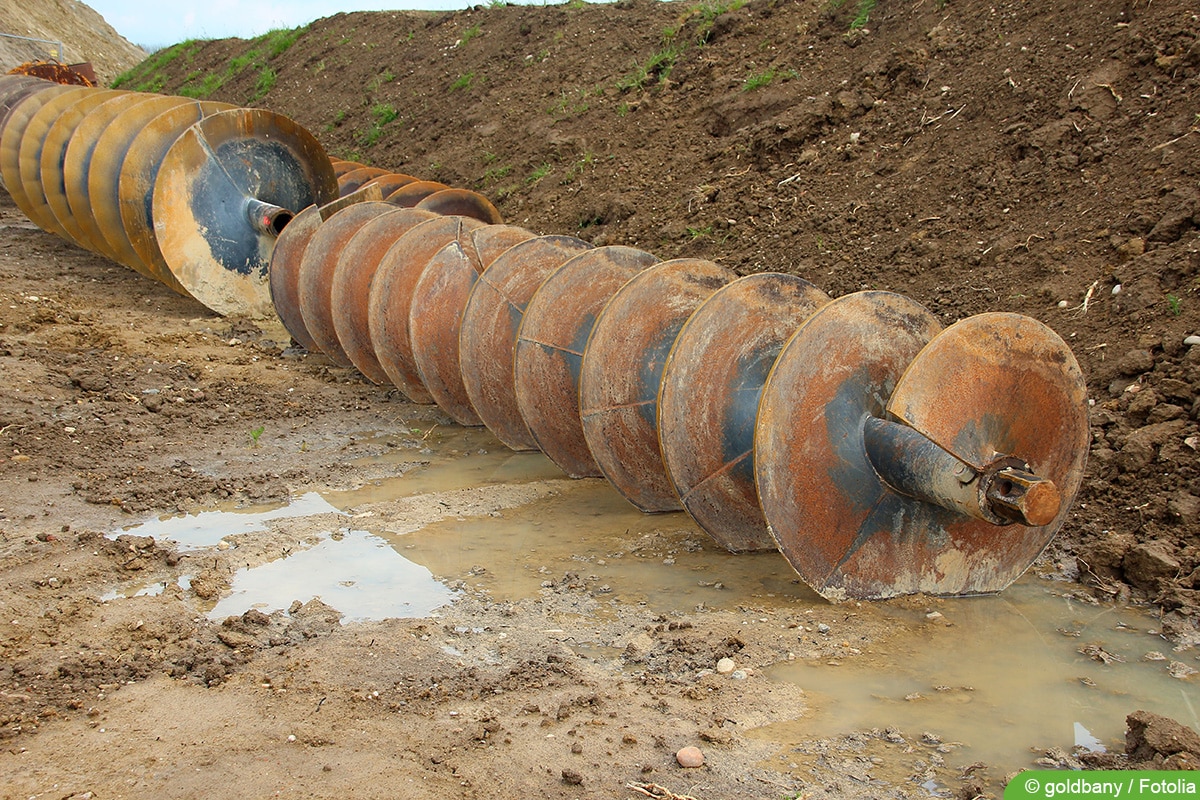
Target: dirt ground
(1032, 158)
(84, 34)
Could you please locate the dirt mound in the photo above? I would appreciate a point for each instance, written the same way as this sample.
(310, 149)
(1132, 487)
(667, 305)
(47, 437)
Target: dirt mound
(84, 35)
(972, 156)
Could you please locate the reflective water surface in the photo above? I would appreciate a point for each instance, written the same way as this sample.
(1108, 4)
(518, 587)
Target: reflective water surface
(990, 675)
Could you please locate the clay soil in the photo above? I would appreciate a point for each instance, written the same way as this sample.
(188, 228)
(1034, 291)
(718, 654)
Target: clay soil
(1037, 158)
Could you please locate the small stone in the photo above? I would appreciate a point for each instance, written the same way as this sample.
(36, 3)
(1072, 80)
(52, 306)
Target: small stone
(690, 757)
(1147, 563)
(934, 615)
(1154, 655)
(1191, 341)
(571, 777)
(725, 666)
(1177, 669)
(739, 674)
(823, 628)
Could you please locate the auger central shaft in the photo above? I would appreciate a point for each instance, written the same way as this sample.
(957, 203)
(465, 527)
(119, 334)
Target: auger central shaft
(267, 218)
(1002, 493)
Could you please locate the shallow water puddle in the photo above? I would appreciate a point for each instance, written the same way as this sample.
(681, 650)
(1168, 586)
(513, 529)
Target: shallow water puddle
(989, 677)
(995, 675)
(208, 528)
(353, 571)
(608, 547)
(466, 458)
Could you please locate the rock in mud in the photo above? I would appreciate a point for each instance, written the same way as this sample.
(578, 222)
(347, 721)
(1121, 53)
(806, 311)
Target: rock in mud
(1148, 563)
(1154, 739)
(690, 757)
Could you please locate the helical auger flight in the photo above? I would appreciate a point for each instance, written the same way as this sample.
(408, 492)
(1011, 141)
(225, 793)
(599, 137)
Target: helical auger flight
(881, 453)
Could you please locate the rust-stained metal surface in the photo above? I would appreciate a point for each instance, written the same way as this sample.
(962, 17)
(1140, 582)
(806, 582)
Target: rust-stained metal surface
(77, 165)
(826, 507)
(314, 284)
(435, 319)
(390, 182)
(104, 175)
(490, 321)
(204, 194)
(15, 123)
(352, 181)
(139, 171)
(33, 144)
(391, 295)
(67, 74)
(284, 274)
(351, 284)
(550, 343)
(463, 202)
(410, 194)
(991, 386)
(622, 370)
(341, 166)
(708, 403)
(54, 155)
(14, 88)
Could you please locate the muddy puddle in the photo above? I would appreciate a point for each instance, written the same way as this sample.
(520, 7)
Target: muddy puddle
(993, 675)
(983, 677)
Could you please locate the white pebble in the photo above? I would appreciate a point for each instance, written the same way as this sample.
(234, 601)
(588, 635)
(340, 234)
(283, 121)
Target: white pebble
(725, 666)
(1063, 304)
(1191, 340)
(1116, 290)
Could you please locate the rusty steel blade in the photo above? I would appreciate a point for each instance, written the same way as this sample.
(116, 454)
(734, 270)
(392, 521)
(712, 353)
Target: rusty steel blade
(14, 133)
(549, 353)
(213, 198)
(463, 202)
(435, 319)
(708, 402)
(489, 331)
(819, 493)
(390, 300)
(77, 165)
(284, 274)
(389, 182)
(341, 166)
(33, 145)
(351, 285)
(408, 195)
(622, 370)
(315, 279)
(992, 385)
(350, 182)
(54, 155)
(13, 89)
(139, 171)
(104, 175)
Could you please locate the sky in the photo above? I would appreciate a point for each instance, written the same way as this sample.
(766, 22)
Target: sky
(154, 23)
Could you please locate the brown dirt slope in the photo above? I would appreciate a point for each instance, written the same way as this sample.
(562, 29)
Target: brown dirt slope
(84, 34)
(975, 156)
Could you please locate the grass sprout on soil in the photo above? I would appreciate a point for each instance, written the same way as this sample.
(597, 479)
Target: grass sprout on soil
(383, 113)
